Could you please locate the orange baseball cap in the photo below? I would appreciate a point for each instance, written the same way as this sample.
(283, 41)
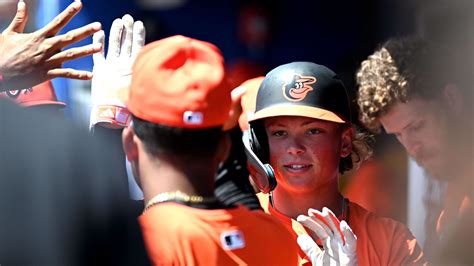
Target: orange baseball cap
(41, 94)
(180, 82)
(248, 100)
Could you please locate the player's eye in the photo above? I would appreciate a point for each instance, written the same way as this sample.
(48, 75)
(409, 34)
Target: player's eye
(314, 131)
(418, 125)
(278, 133)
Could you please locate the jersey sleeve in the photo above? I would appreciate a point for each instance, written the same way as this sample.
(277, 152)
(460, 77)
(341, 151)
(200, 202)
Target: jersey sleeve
(405, 248)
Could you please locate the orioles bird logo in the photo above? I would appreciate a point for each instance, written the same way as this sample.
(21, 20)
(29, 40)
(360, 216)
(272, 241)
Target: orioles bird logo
(298, 87)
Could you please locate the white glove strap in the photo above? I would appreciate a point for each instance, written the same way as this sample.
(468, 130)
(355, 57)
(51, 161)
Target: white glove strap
(110, 116)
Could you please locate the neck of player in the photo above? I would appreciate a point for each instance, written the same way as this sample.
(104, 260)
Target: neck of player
(292, 204)
(160, 175)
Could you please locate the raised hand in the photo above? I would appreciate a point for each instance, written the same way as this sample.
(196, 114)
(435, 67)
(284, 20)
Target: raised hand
(113, 73)
(31, 58)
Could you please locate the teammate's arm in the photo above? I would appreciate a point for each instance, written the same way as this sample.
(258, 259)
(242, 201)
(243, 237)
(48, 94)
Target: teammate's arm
(112, 76)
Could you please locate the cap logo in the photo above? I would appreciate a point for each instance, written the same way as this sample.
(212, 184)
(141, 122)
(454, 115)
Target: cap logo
(193, 118)
(298, 87)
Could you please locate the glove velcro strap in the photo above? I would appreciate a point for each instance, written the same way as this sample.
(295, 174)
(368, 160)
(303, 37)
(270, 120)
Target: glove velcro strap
(111, 116)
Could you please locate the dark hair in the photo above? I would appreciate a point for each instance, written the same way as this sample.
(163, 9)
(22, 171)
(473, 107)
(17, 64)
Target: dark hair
(161, 139)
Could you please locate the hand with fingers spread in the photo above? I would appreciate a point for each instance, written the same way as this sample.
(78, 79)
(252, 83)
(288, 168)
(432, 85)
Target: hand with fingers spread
(113, 74)
(28, 59)
(339, 242)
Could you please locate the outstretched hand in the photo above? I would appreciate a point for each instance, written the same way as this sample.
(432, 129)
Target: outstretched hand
(31, 58)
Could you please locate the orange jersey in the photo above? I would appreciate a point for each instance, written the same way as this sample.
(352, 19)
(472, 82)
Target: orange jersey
(380, 241)
(176, 234)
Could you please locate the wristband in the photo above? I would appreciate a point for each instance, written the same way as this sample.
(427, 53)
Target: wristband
(111, 116)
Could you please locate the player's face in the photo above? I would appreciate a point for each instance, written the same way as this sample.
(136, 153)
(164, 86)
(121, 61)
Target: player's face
(421, 127)
(304, 152)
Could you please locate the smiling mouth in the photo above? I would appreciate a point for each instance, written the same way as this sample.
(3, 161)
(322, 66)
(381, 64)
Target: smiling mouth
(297, 167)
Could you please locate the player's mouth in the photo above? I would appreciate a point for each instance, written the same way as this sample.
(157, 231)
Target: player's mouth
(297, 168)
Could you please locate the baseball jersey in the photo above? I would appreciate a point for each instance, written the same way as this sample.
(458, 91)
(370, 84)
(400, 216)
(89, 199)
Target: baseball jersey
(176, 234)
(380, 241)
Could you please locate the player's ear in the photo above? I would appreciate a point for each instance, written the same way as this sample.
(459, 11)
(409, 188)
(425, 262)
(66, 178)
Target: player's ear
(453, 98)
(346, 141)
(129, 143)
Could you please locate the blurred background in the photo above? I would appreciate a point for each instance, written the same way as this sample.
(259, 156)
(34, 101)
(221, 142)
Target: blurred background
(256, 36)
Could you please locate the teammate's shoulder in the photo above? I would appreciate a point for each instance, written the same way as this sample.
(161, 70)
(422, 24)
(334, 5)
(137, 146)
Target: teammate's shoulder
(168, 213)
(373, 221)
(270, 224)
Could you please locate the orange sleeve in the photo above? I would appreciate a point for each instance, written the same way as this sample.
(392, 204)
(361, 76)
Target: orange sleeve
(405, 249)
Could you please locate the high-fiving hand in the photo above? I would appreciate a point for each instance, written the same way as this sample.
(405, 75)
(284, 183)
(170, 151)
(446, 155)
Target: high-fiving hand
(113, 74)
(28, 59)
(339, 242)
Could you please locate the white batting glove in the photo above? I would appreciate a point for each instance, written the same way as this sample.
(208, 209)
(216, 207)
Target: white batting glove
(339, 242)
(112, 74)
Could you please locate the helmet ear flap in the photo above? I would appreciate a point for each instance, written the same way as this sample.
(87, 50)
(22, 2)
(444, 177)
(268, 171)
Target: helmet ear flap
(259, 141)
(257, 151)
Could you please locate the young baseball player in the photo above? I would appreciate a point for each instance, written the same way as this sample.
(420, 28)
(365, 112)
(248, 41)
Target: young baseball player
(302, 128)
(179, 101)
(409, 88)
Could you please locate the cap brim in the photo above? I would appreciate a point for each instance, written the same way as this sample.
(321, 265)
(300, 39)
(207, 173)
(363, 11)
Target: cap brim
(297, 110)
(36, 103)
